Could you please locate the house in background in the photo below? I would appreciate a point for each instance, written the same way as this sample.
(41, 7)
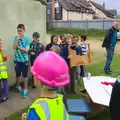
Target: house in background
(76, 10)
(100, 11)
(113, 12)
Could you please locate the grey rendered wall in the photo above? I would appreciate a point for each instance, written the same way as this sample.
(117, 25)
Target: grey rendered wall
(12, 12)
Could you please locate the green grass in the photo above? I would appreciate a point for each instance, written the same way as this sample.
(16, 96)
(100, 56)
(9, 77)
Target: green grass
(91, 33)
(95, 69)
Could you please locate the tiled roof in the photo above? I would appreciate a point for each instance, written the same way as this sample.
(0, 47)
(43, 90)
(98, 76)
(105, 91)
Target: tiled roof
(77, 6)
(101, 8)
(113, 12)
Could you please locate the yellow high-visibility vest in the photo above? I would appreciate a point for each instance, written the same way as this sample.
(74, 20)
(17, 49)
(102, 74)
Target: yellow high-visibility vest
(3, 68)
(50, 109)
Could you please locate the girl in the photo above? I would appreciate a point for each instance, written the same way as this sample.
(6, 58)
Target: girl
(56, 49)
(3, 75)
(54, 40)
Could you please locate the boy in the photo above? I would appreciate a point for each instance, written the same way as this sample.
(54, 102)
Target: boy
(35, 49)
(64, 49)
(3, 75)
(75, 70)
(21, 46)
(48, 77)
(84, 52)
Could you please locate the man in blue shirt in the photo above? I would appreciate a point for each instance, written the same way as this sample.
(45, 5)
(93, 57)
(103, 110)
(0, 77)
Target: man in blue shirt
(21, 46)
(109, 43)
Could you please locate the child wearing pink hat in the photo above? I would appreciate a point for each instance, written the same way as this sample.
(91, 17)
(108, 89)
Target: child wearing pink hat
(48, 76)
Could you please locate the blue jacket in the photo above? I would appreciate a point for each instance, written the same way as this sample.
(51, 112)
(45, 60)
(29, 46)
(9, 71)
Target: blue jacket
(110, 37)
(64, 53)
(77, 48)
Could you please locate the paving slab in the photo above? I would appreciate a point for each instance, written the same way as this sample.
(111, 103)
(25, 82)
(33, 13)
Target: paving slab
(16, 103)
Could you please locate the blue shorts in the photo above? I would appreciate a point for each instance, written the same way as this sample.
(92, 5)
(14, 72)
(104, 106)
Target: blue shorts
(21, 68)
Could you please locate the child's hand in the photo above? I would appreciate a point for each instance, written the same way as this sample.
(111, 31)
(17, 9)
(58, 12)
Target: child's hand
(24, 115)
(18, 38)
(5, 58)
(69, 57)
(32, 53)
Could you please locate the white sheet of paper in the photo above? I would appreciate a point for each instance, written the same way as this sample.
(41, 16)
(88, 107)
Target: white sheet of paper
(98, 92)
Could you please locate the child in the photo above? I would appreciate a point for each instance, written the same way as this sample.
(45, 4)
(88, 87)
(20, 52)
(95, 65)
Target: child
(35, 49)
(48, 77)
(84, 52)
(21, 46)
(3, 75)
(75, 70)
(64, 49)
(56, 49)
(114, 105)
(54, 40)
(75, 45)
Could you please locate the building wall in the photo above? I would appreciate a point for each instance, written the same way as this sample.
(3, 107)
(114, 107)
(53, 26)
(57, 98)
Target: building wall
(68, 15)
(13, 12)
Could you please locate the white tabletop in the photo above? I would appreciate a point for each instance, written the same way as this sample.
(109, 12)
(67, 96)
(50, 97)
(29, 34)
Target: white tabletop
(98, 92)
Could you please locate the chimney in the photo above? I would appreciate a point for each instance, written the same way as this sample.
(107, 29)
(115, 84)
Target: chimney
(104, 4)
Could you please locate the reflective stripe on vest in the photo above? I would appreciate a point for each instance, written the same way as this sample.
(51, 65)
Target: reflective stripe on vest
(3, 68)
(45, 107)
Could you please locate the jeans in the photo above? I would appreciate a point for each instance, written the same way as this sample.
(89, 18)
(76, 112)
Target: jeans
(110, 53)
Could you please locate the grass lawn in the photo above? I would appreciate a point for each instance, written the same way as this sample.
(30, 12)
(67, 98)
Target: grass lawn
(95, 69)
(93, 34)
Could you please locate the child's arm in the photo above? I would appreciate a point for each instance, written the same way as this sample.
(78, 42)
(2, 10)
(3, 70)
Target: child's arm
(31, 51)
(3, 55)
(26, 48)
(32, 115)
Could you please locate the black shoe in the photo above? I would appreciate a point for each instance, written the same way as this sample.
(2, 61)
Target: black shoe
(3, 99)
(33, 87)
(83, 91)
(108, 72)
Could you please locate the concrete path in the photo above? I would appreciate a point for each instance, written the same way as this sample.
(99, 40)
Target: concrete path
(16, 103)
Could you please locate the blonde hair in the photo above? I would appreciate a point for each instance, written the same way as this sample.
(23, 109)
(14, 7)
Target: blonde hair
(56, 49)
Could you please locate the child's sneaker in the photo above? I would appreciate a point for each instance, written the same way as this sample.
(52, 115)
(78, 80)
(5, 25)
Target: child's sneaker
(19, 89)
(25, 93)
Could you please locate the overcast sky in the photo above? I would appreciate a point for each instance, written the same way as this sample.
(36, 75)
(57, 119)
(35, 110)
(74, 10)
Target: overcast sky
(111, 4)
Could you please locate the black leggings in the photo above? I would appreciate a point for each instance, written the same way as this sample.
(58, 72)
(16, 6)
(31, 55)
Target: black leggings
(114, 106)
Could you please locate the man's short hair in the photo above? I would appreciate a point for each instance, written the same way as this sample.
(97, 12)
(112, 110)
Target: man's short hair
(21, 26)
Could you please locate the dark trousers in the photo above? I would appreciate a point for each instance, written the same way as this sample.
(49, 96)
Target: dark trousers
(72, 79)
(114, 106)
(5, 87)
(32, 59)
(110, 53)
(82, 70)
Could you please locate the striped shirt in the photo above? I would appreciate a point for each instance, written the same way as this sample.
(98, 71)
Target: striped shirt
(84, 48)
(21, 56)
